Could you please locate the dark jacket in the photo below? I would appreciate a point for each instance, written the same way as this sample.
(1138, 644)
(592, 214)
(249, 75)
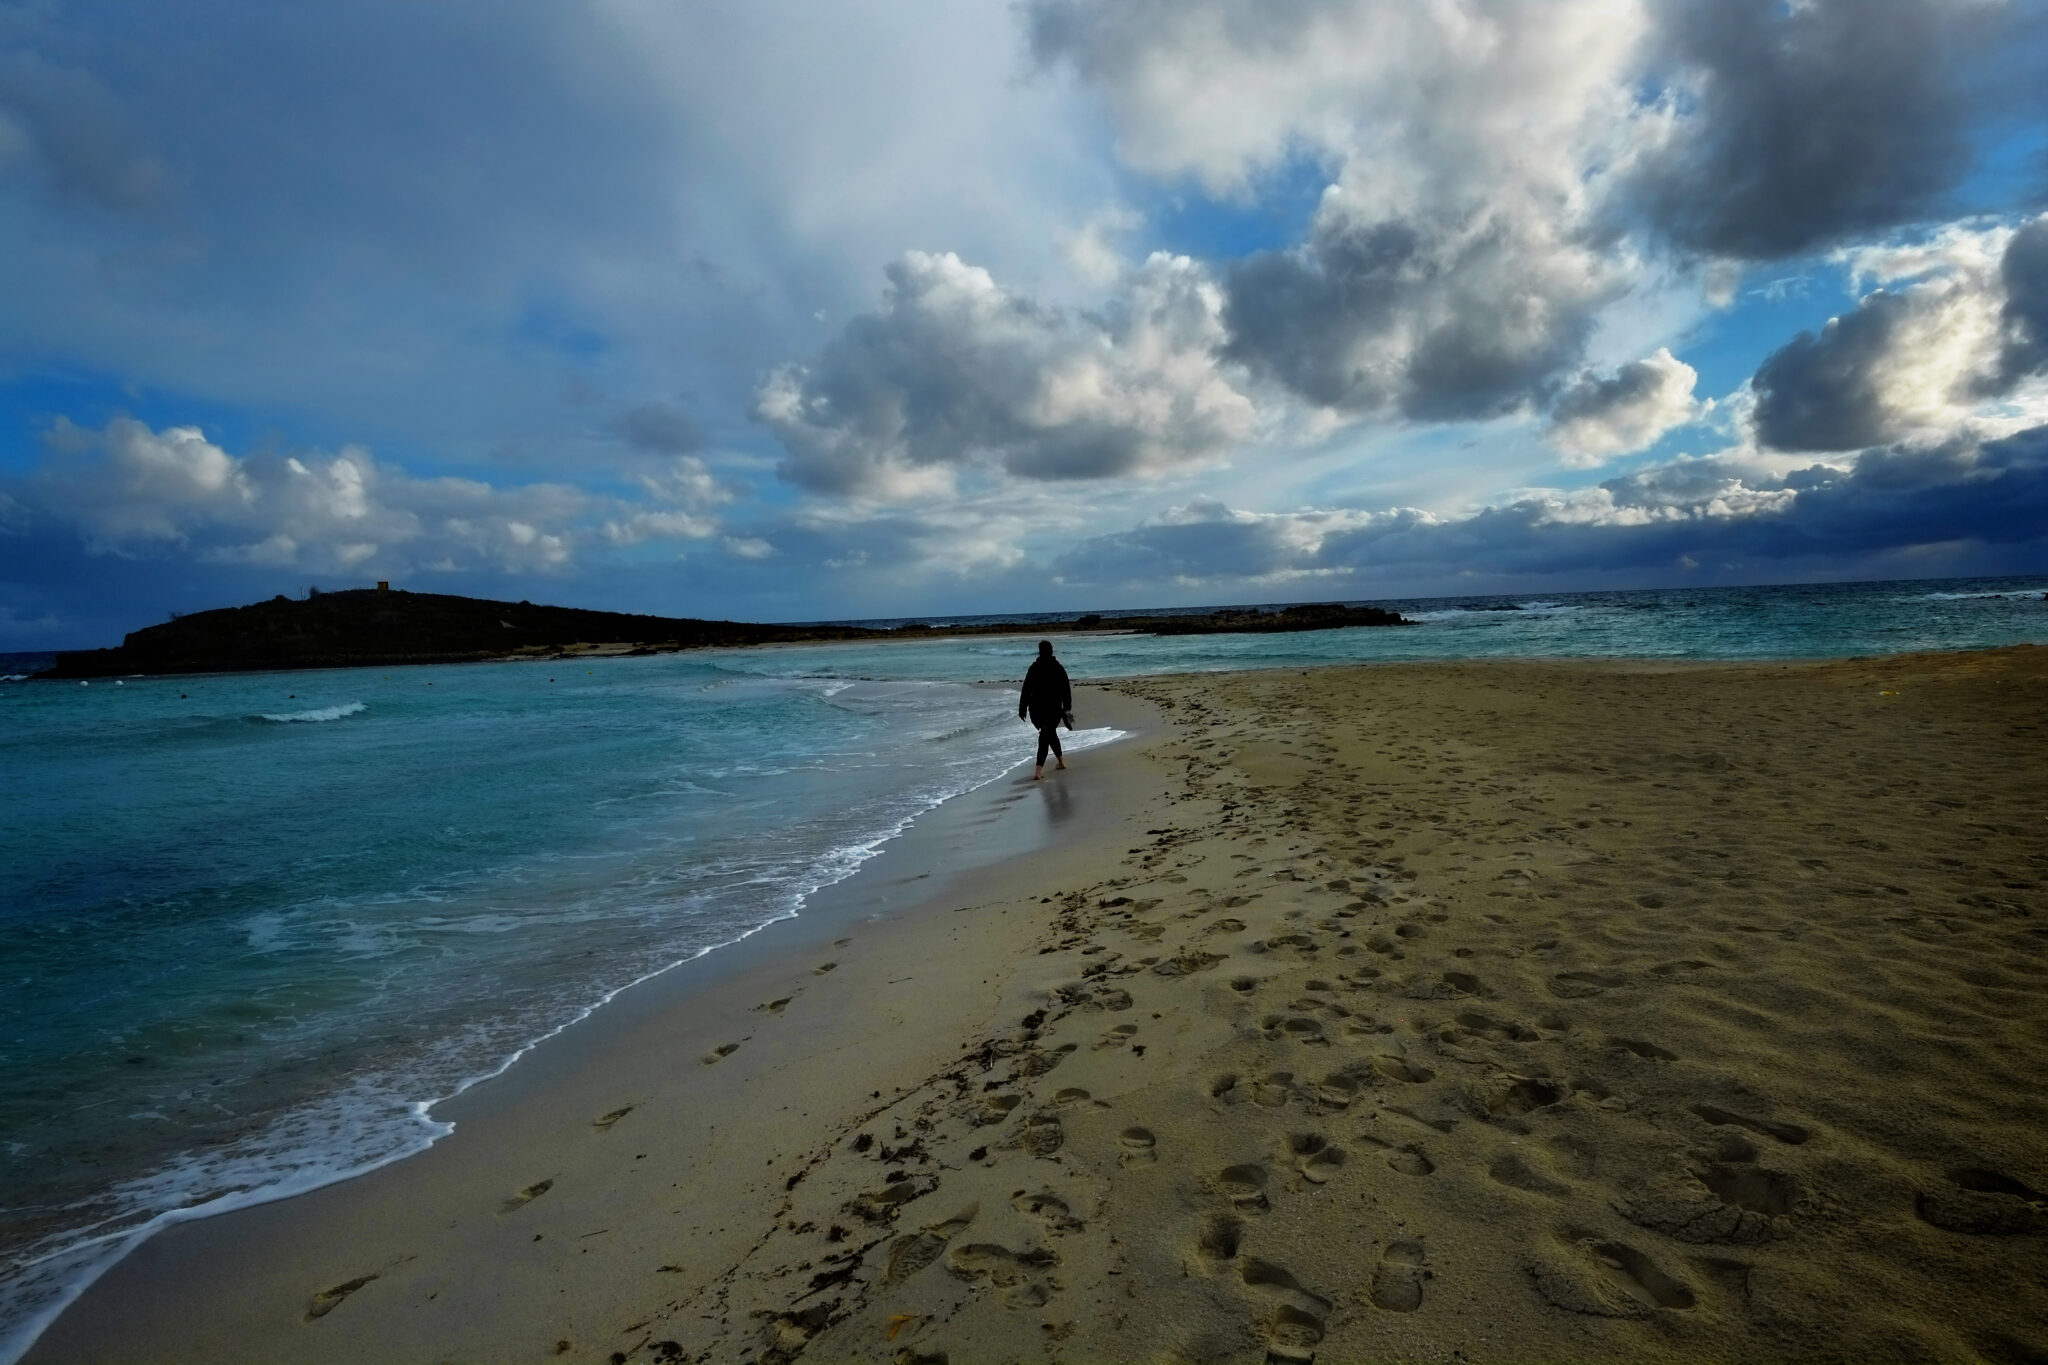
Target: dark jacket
(1047, 694)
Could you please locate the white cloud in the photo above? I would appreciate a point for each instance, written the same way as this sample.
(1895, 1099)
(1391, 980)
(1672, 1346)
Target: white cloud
(953, 372)
(1942, 348)
(1599, 417)
(132, 490)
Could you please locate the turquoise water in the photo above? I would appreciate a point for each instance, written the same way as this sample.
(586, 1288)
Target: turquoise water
(253, 926)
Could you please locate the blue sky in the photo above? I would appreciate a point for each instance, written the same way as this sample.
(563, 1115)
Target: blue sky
(887, 308)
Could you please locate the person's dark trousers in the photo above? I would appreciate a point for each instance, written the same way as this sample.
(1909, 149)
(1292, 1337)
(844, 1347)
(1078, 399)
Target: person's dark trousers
(1049, 738)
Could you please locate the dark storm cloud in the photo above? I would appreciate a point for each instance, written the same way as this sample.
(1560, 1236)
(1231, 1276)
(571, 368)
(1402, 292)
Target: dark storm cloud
(1427, 318)
(2024, 273)
(1812, 122)
(1821, 391)
(1712, 512)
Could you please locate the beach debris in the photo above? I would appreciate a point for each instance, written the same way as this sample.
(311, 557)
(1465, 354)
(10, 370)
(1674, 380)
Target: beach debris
(327, 1300)
(527, 1195)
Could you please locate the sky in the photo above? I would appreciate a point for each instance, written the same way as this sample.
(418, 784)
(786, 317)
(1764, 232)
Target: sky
(877, 308)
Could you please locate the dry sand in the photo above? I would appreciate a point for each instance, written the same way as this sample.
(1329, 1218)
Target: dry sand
(1499, 1011)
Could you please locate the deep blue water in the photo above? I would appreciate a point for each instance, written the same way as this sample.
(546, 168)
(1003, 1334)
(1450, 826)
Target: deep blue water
(252, 926)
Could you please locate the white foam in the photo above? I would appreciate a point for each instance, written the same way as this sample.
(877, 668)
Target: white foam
(323, 713)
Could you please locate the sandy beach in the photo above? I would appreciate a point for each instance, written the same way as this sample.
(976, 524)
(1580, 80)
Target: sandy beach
(1484, 1011)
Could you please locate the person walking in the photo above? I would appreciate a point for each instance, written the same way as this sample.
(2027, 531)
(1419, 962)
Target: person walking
(1047, 699)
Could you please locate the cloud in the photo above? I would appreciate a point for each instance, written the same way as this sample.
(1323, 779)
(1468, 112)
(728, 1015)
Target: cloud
(1729, 515)
(2024, 273)
(1597, 417)
(131, 491)
(1917, 361)
(1794, 126)
(1443, 318)
(658, 428)
(1453, 265)
(64, 126)
(954, 372)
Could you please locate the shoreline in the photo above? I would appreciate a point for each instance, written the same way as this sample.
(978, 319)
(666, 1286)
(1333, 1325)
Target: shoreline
(922, 860)
(1488, 1009)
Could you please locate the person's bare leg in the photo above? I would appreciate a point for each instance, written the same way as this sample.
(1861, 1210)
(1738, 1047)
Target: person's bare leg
(1038, 773)
(1063, 760)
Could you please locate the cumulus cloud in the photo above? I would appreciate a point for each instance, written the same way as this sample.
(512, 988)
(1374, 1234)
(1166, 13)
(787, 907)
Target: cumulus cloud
(953, 372)
(1453, 265)
(1597, 417)
(1443, 318)
(1793, 126)
(1916, 361)
(130, 490)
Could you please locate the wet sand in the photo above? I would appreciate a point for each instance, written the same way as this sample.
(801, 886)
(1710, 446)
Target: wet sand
(1495, 1011)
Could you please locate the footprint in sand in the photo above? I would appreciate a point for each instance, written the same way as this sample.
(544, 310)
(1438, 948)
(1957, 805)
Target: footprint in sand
(720, 1053)
(1649, 1052)
(1315, 1157)
(995, 1109)
(1336, 1093)
(1578, 985)
(823, 968)
(1789, 1133)
(1397, 1280)
(327, 1300)
(1014, 1273)
(1245, 1187)
(1220, 1238)
(1116, 1037)
(1298, 1315)
(914, 1251)
(1049, 1209)
(1984, 1203)
(1041, 1135)
(1606, 1279)
(1137, 1147)
(604, 1122)
(527, 1195)
(1496, 1030)
(1405, 1159)
(1525, 1095)
(1273, 1091)
(774, 1006)
(1400, 1069)
(1517, 1171)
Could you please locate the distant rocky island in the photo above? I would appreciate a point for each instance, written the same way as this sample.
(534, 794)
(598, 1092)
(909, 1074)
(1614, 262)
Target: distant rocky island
(369, 627)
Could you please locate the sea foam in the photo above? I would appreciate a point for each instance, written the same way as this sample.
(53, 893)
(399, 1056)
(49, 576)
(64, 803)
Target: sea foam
(324, 713)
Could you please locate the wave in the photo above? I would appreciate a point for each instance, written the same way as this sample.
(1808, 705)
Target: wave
(2023, 594)
(324, 713)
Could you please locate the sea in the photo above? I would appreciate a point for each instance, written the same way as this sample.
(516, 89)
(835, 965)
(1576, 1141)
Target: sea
(254, 926)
